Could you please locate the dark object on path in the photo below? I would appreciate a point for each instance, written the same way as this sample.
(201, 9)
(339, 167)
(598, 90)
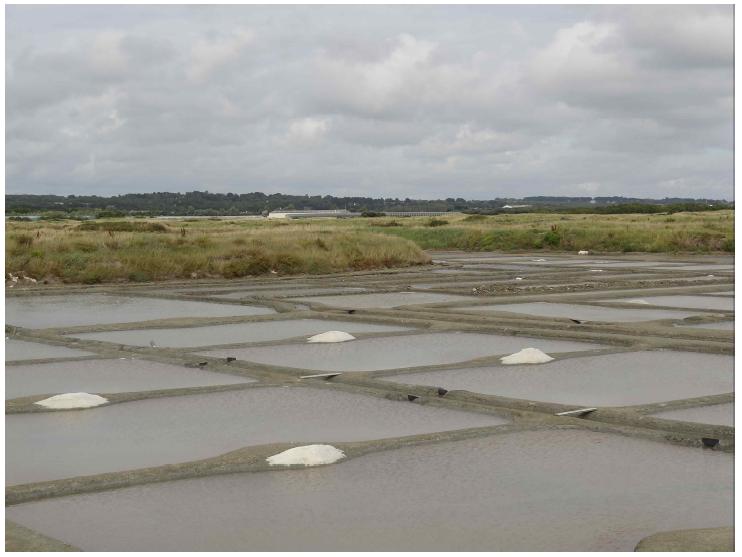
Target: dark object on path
(412, 398)
(351, 311)
(231, 359)
(202, 364)
(442, 391)
(709, 442)
(576, 321)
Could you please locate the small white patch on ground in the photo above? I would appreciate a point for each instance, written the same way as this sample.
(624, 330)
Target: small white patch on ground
(527, 356)
(72, 400)
(308, 455)
(596, 270)
(331, 336)
(638, 301)
(583, 252)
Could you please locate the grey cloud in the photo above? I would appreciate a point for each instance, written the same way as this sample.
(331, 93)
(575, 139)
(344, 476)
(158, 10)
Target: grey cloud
(470, 101)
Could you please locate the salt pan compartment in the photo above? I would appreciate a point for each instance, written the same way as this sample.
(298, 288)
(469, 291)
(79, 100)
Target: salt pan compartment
(235, 333)
(609, 380)
(583, 312)
(91, 309)
(700, 302)
(394, 352)
(23, 350)
(388, 300)
(107, 376)
(177, 429)
(565, 490)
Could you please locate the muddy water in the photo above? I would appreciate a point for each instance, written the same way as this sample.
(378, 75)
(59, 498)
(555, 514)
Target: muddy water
(395, 352)
(177, 429)
(718, 414)
(106, 376)
(700, 302)
(23, 350)
(538, 491)
(610, 380)
(91, 309)
(233, 334)
(585, 313)
(390, 300)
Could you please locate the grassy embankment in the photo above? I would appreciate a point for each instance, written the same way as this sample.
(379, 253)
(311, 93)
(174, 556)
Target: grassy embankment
(95, 252)
(707, 232)
(143, 250)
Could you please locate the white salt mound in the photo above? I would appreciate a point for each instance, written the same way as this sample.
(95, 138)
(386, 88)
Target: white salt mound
(72, 400)
(308, 455)
(527, 356)
(331, 336)
(638, 302)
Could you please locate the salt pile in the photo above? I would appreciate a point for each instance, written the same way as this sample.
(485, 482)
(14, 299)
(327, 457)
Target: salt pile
(308, 455)
(638, 302)
(72, 400)
(527, 356)
(331, 336)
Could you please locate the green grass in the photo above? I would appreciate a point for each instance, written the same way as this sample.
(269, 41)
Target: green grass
(71, 254)
(144, 250)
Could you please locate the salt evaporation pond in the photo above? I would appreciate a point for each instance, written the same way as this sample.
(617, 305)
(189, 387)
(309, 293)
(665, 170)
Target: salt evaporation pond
(388, 300)
(395, 352)
(583, 312)
(177, 429)
(698, 302)
(92, 309)
(566, 490)
(288, 292)
(608, 380)
(107, 376)
(23, 350)
(717, 414)
(235, 333)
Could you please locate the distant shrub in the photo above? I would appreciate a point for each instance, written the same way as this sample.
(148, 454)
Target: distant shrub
(552, 239)
(436, 222)
(123, 226)
(388, 223)
(475, 218)
(372, 214)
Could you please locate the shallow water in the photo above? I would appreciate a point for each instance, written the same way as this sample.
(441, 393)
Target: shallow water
(177, 429)
(24, 350)
(718, 414)
(698, 302)
(610, 380)
(389, 300)
(584, 312)
(287, 292)
(395, 352)
(235, 333)
(107, 376)
(710, 267)
(42, 312)
(539, 491)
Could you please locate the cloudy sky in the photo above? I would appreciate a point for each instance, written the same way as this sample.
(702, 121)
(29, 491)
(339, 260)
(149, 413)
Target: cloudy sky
(423, 102)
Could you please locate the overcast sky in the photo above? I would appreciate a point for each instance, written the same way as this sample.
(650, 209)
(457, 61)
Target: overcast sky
(424, 102)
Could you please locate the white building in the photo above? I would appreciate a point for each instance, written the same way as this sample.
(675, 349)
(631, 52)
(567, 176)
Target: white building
(311, 214)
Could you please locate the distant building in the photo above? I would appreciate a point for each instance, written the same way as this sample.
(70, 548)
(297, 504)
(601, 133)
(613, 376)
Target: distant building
(312, 214)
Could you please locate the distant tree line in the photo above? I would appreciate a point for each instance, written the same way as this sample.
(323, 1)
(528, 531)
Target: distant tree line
(204, 203)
